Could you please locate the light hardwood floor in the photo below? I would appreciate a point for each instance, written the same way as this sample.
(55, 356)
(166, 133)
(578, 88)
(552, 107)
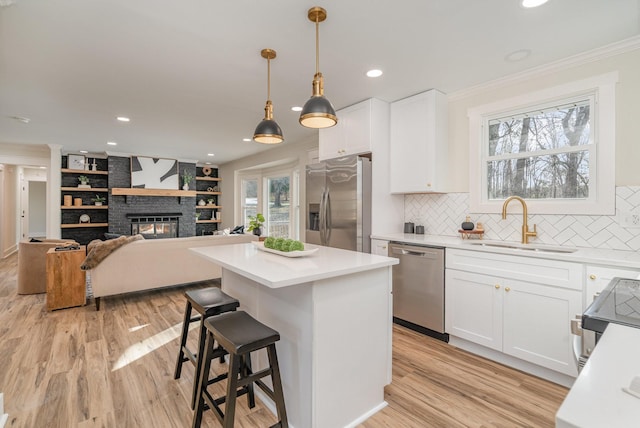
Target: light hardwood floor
(114, 368)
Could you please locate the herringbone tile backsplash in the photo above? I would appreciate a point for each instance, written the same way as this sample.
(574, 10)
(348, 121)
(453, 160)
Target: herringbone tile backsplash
(442, 214)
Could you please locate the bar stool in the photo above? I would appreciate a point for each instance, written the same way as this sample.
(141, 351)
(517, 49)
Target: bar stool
(207, 302)
(240, 335)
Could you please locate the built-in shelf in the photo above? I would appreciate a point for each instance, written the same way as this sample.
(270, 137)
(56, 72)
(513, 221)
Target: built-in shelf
(208, 221)
(208, 179)
(125, 191)
(85, 207)
(84, 189)
(76, 225)
(83, 172)
(210, 207)
(208, 193)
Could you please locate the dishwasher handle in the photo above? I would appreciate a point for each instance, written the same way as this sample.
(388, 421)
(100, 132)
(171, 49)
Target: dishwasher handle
(405, 252)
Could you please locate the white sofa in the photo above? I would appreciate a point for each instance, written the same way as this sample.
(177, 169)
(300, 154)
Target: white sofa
(154, 263)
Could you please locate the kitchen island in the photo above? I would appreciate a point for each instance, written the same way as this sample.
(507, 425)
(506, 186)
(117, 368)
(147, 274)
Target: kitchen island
(333, 310)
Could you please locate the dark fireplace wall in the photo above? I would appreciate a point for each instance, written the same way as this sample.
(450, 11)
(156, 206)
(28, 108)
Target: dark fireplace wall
(120, 206)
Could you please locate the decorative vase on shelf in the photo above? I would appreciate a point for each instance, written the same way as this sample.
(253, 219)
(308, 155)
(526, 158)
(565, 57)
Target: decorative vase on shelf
(185, 186)
(467, 224)
(202, 203)
(257, 231)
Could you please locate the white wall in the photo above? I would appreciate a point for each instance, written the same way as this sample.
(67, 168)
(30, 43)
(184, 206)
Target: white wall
(627, 112)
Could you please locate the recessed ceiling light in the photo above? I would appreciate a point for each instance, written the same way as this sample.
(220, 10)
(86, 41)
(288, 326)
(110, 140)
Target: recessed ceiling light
(43, 167)
(533, 3)
(207, 163)
(211, 154)
(296, 108)
(20, 119)
(123, 119)
(518, 55)
(83, 151)
(374, 73)
(112, 143)
(246, 139)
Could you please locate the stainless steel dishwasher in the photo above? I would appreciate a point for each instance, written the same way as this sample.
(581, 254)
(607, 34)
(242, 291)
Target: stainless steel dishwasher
(418, 288)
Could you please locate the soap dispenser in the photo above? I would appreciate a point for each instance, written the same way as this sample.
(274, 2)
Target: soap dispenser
(467, 224)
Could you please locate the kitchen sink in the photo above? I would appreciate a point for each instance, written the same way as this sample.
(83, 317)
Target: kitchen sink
(525, 247)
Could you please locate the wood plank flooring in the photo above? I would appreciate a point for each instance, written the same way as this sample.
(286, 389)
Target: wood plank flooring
(114, 368)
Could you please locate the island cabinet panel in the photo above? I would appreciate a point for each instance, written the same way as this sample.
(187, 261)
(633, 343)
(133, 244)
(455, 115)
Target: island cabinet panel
(520, 306)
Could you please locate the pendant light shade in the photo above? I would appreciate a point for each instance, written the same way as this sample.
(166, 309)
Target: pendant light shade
(268, 131)
(318, 111)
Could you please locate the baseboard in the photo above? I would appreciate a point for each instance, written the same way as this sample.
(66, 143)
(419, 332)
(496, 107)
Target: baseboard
(9, 251)
(4, 417)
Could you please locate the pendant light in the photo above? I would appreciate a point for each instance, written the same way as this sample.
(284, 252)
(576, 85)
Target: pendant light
(268, 131)
(318, 111)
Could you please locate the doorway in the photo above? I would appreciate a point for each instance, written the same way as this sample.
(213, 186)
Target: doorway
(36, 210)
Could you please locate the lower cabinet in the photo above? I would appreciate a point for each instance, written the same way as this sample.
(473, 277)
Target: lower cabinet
(380, 247)
(523, 319)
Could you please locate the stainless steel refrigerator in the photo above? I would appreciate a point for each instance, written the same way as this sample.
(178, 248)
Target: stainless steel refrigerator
(339, 203)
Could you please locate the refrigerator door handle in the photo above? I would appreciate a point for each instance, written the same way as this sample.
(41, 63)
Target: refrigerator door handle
(323, 214)
(327, 207)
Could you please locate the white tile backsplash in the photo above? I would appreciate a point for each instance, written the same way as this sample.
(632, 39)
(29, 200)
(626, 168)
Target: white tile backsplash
(442, 214)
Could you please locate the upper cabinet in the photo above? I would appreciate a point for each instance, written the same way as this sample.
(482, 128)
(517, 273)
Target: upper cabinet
(352, 134)
(418, 151)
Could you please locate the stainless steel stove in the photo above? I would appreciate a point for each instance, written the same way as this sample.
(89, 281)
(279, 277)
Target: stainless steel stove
(618, 303)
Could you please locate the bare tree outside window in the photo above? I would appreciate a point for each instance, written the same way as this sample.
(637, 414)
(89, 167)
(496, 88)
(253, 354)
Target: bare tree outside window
(541, 154)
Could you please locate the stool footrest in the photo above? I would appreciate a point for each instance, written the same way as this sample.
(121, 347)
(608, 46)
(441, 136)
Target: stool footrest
(255, 377)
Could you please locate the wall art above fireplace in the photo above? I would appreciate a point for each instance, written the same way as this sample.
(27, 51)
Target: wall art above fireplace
(154, 173)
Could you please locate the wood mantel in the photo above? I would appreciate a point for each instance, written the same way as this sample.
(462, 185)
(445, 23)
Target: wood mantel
(134, 191)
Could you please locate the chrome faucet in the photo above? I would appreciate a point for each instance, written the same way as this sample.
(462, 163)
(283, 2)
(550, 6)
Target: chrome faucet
(525, 227)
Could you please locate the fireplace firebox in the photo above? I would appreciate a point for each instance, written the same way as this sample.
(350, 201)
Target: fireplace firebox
(155, 226)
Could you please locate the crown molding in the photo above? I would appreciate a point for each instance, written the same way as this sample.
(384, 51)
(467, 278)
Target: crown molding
(598, 54)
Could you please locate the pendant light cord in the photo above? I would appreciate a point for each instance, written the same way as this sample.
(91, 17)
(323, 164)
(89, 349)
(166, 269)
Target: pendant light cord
(268, 79)
(317, 45)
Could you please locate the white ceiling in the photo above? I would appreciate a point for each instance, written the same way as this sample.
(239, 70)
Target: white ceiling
(190, 75)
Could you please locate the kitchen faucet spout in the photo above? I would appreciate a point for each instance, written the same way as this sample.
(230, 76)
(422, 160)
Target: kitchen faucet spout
(525, 227)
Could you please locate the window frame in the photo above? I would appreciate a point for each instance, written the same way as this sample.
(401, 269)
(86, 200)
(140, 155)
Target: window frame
(601, 199)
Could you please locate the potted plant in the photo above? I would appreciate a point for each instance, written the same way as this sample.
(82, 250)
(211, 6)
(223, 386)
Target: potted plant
(198, 216)
(84, 181)
(98, 200)
(186, 179)
(210, 201)
(255, 224)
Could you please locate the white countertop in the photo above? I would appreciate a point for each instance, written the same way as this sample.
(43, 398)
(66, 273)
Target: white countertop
(277, 271)
(626, 259)
(596, 398)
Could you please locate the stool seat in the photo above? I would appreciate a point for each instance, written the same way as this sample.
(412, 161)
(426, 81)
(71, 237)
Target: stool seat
(239, 333)
(211, 301)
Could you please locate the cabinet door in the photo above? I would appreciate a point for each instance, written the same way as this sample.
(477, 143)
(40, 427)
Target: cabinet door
(536, 324)
(380, 247)
(418, 150)
(598, 277)
(473, 308)
(352, 134)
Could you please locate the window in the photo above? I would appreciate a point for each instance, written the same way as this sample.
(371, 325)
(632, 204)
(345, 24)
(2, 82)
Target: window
(275, 194)
(555, 148)
(249, 198)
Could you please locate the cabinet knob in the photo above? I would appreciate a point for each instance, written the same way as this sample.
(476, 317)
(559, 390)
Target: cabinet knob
(497, 286)
(507, 289)
(428, 184)
(592, 276)
(384, 247)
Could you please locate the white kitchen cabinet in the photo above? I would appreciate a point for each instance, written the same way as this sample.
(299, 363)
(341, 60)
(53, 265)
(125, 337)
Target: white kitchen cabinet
(597, 278)
(473, 308)
(517, 305)
(418, 151)
(352, 135)
(380, 247)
